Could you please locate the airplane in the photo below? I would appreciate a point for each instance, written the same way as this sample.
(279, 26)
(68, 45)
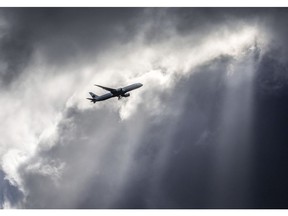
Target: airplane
(120, 92)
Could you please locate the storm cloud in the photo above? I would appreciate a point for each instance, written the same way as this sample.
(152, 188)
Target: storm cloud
(206, 130)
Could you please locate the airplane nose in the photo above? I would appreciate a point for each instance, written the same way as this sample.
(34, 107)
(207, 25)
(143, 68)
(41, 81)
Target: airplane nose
(140, 84)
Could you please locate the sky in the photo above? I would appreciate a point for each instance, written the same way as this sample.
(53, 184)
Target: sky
(207, 130)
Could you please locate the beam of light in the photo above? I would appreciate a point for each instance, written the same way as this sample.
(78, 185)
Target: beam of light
(233, 157)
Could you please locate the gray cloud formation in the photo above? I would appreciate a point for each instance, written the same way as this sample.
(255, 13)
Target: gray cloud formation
(185, 140)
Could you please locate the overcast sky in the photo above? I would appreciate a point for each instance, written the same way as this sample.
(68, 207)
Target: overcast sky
(208, 129)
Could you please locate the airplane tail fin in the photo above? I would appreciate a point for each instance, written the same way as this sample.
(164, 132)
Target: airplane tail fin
(94, 96)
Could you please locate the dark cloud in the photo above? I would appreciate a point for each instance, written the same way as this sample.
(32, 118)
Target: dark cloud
(62, 35)
(16, 49)
(67, 35)
(269, 148)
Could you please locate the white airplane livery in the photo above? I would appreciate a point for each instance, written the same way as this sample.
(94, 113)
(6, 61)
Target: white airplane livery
(120, 92)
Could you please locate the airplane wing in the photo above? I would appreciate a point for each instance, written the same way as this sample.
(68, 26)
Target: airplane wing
(106, 88)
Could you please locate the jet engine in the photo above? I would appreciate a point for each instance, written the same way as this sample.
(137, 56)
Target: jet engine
(126, 95)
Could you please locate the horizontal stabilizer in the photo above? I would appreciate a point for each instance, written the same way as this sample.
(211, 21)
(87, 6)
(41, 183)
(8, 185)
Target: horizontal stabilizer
(92, 100)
